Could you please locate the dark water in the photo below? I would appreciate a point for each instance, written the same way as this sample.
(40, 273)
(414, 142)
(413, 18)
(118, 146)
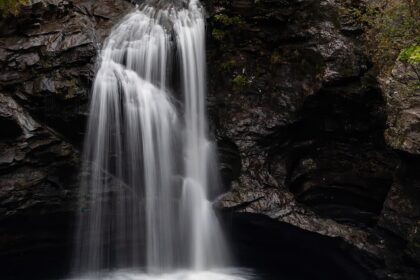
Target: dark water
(271, 249)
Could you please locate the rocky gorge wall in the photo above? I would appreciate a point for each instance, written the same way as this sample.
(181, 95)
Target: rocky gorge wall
(308, 134)
(314, 138)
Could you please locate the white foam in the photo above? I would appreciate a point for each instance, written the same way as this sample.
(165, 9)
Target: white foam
(222, 274)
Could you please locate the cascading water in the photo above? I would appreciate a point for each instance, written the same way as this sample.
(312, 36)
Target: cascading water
(148, 170)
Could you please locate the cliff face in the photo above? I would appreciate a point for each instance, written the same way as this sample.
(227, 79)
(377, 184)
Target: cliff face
(401, 210)
(48, 54)
(307, 135)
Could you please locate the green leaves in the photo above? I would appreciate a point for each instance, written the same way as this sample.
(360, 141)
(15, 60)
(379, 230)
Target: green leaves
(228, 21)
(392, 31)
(410, 55)
(218, 34)
(11, 7)
(239, 82)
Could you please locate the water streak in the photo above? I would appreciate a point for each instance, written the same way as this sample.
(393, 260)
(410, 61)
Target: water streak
(148, 162)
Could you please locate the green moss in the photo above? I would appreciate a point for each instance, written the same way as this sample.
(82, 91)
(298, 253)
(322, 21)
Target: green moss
(222, 23)
(228, 65)
(11, 7)
(410, 54)
(218, 34)
(228, 21)
(239, 82)
(391, 27)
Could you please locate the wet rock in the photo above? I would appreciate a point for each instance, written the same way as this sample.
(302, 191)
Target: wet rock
(30, 155)
(402, 96)
(24, 163)
(401, 214)
(48, 54)
(291, 87)
(401, 210)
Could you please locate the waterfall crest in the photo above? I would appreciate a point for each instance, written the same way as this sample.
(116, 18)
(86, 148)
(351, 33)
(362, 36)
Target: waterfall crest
(148, 162)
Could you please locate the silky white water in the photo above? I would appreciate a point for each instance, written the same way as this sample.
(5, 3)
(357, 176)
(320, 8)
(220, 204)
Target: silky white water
(220, 274)
(149, 165)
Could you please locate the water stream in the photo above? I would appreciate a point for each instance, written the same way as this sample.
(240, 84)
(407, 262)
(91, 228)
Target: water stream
(149, 165)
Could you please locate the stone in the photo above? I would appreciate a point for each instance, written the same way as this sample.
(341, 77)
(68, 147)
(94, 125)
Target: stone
(402, 96)
(308, 127)
(56, 34)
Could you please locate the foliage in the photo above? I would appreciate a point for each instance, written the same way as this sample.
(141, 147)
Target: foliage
(228, 21)
(11, 7)
(410, 54)
(228, 65)
(221, 22)
(239, 82)
(218, 34)
(392, 26)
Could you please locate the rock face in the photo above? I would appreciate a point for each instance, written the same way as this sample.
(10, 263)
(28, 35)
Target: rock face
(33, 162)
(402, 94)
(401, 211)
(47, 57)
(294, 95)
(36, 191)
(307, 136)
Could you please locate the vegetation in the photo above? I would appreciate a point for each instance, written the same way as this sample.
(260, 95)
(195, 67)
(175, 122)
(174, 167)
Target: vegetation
(392, 31)
(410, 54)
(239, 82)
(228, 65)
(218, 34)
(222, 22)
(11, 7)
(228, 21)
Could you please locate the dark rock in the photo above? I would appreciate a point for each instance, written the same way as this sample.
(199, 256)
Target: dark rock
(27, 160)
(291, 87)
(48, 54)
(38, 181)
(401, 210)
(402, 95)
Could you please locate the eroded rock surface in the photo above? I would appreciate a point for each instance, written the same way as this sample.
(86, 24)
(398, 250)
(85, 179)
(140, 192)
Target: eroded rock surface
(48, 54)
(38, 184)
(401, 211)
(402, 93)
(292, 90)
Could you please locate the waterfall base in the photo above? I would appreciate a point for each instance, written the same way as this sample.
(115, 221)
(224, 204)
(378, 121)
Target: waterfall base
(222, 274)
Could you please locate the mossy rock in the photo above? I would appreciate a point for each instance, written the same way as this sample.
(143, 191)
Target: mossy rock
(11, 7)
(410, 55)
(239, 82)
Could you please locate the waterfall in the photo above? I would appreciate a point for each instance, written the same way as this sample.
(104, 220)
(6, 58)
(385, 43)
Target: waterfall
(149, 165)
